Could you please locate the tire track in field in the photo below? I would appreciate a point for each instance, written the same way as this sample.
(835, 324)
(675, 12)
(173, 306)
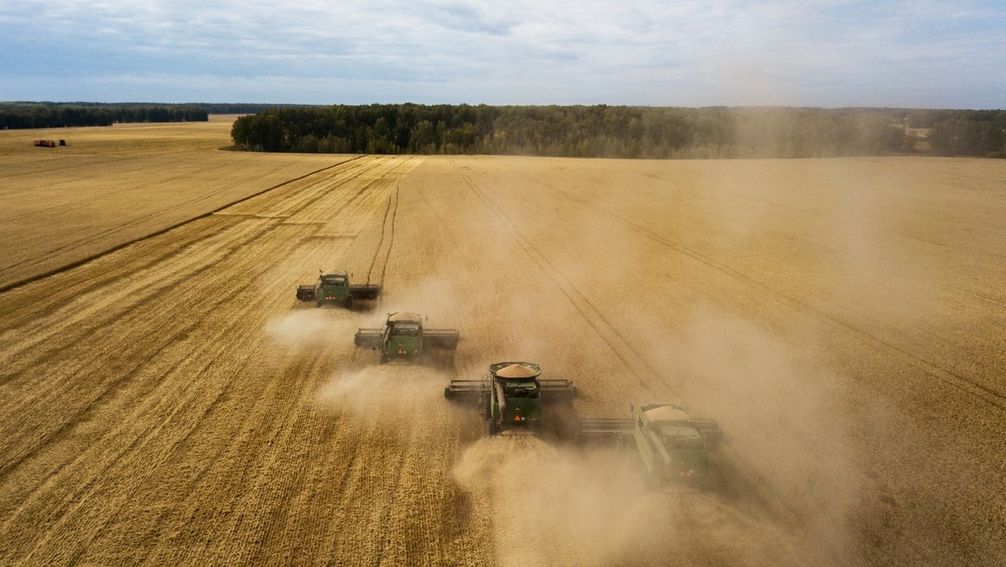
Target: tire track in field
(43, 305)
(146, 288)
(387, 232)
(127, 163)
(391, 240)
(269, 529)
(380, 242)
(34, 338)
(139, 220)
(289, 205)
(253, 544)
(115, 229)
(316, 210)
(954, 379)
(642, 370)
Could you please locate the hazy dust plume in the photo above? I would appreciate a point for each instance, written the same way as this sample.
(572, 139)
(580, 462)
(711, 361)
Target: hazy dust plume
(553, 506)
(311, 327)
(387, 393)
(787, 440)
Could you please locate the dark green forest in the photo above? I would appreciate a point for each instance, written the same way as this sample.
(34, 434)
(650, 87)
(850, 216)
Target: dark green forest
(55, 115)
(621, 131)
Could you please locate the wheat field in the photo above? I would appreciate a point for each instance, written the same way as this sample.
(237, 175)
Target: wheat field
(166, 400)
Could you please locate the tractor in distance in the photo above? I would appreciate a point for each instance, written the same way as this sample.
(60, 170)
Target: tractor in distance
(404, 339)
(334, 287)
(672, 445)
(514, 399)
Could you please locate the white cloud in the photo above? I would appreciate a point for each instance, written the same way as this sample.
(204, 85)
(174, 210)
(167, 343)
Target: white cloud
(681, 53)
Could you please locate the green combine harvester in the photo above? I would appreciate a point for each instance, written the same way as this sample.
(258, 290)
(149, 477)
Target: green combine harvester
(334, 288)
(673, 446)
(404, 339)
(512, 397)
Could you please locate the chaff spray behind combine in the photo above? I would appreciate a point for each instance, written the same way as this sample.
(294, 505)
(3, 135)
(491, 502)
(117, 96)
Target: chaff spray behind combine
(513, 399)
(405, 339)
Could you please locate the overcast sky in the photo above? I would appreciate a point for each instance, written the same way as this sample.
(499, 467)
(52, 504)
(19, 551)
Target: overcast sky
(683, 53)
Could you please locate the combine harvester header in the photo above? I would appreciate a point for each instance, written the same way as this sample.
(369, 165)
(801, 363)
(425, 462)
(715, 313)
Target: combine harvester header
(404, 339)
(334, 287)
(512, 396)
(672, 445)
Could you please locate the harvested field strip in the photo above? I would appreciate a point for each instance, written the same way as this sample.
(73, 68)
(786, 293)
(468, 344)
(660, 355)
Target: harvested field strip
(73, 245)
(114, 185)
(185, 282)
(132, 302)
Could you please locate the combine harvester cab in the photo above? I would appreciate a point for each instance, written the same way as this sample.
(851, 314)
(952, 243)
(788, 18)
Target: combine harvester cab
(512, 396)
(335, 288)
(673, 446)
(403, 339)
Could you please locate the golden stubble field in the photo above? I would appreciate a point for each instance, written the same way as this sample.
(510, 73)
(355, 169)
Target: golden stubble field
(112, 185)
(170, 402)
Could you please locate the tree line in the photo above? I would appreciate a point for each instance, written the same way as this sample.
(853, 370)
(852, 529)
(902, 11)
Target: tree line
(969, 133)
(570, 131)
(55, 115)
(618, 131)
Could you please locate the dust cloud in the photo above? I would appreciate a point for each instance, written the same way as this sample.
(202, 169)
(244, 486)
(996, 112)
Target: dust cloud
(788, 450)
(791, 485)
(310, 327)
(386, 394)
(557, 506)
(789, 474)
(432, 297)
